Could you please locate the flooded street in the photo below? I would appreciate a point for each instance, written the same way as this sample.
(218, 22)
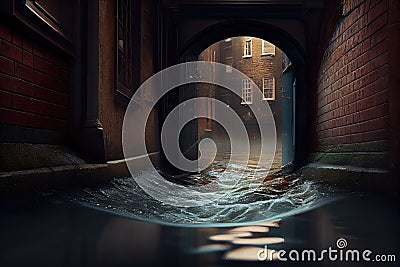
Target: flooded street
(116, 223)
(276, 197)
(199, 133)
(44, 232)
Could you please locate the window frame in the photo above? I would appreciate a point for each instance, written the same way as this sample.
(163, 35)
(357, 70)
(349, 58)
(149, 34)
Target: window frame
(245, 92)
(273, 89)
(246, 41)
(263, 53)
(124, 89)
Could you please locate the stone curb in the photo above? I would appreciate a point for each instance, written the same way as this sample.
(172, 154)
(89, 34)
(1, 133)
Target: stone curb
(353, 178)
(62, 177)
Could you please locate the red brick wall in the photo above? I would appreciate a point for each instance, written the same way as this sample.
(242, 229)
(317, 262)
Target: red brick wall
(353, 82)
(34, 89)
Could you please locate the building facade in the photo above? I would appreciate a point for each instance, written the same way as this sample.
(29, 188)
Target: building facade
(261, 61)
(68, 68)
(67, 72)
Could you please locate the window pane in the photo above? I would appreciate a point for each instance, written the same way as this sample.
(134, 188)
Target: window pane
(269, 88)
(246, 91)
(247, 48)
(268, 48)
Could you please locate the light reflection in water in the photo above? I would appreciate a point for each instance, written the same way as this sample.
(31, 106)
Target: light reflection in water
(254, 229)
(258, 241)
(248, 253)
(229, 236)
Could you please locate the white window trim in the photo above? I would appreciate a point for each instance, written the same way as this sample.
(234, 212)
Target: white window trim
(273, 88)
(263, 53)
(244, 102)
(251, 48)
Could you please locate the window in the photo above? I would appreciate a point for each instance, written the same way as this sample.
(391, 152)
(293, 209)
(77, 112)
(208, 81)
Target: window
(267, 48)
(247, 48)
(247, 94)
(127, 49)
(269, 88)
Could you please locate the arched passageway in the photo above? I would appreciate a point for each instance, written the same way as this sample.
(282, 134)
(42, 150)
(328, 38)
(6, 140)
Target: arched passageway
(292, 46)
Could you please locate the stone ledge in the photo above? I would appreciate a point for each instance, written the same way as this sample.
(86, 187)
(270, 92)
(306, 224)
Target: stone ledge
(374, 180)
(358, 159)
(372, 146)
(24, 156)
(62, 177)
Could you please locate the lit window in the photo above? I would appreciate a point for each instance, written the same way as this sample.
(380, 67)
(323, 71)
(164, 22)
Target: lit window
(247, 93)
(247, 47)
(269, 88)
(268, 48)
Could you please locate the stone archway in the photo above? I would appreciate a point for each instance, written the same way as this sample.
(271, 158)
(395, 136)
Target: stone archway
(291, 46)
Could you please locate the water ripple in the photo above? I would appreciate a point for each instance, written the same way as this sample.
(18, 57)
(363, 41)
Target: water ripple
(278, 196)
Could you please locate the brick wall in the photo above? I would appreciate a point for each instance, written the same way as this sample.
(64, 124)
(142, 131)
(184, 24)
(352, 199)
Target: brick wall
(34, 90)
(353, 83)
(255, 67)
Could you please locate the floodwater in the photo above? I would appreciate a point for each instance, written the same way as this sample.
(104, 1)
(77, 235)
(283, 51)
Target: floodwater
(118, 224)
(277, 196)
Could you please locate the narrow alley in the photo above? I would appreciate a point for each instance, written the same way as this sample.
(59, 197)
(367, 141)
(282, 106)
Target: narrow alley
(199, 132)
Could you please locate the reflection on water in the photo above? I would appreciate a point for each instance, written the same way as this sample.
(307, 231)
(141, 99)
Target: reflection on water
(229, 236)
(248, 253)
(247, 241)
(275, 197)
(254, 229)
(258, 241)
